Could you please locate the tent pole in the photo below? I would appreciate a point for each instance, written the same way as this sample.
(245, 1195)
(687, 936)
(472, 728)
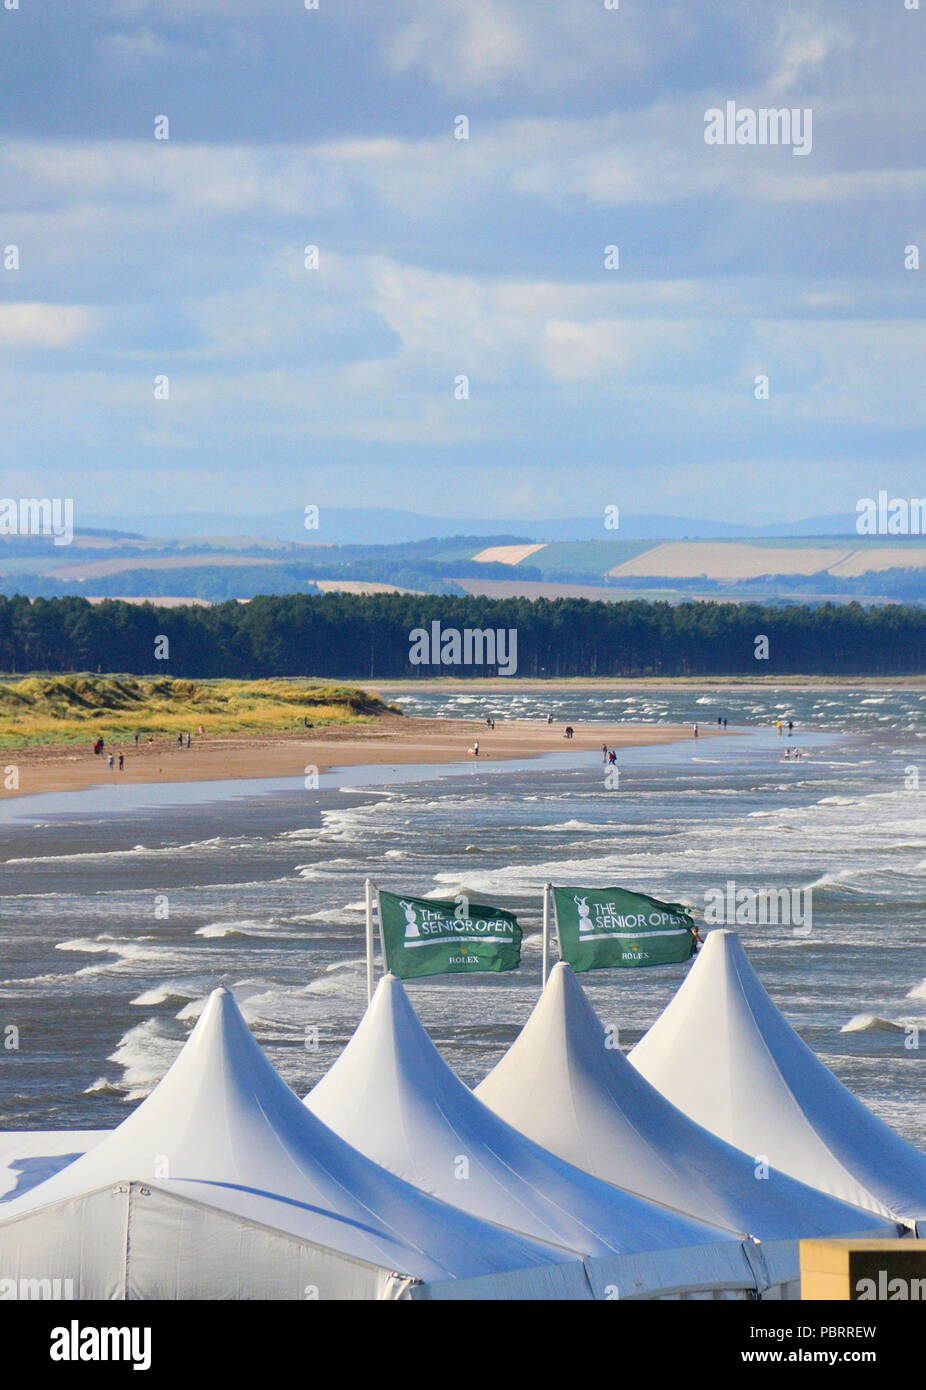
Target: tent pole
(369, 908)
(546, 933)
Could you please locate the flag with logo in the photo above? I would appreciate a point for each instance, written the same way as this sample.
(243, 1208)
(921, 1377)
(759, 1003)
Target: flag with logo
(600, 928)
(428, 936)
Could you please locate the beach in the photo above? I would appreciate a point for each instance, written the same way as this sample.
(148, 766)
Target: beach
(390, 740)
(124, 907)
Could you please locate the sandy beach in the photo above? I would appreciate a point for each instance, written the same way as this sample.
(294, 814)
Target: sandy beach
(391, 740)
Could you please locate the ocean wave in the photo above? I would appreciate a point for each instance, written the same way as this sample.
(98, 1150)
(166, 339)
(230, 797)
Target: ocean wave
(102, 1087)
(135, 852)
(169, 992)
(144, 1053)
(871, 1023)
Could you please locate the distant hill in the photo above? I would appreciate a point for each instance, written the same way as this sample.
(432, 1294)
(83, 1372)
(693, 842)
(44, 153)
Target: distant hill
(611, 565)
(385, 526)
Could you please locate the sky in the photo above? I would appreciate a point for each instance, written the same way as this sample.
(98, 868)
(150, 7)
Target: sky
(442, 258)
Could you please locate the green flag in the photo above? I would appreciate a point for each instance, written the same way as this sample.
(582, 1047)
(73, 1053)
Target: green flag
(602, 927)
(425, 936)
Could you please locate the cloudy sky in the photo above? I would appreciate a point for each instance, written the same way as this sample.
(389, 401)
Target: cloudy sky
(442, 257)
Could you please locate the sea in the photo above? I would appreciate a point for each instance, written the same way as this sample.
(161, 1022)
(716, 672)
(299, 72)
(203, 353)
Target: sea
(122, 907)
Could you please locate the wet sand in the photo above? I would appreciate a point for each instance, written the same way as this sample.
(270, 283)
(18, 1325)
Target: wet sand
(391, 741)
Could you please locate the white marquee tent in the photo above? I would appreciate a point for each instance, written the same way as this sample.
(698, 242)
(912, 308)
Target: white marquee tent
(391, 1095)
(724, 1055)
(223, 1185)
(561, 1084)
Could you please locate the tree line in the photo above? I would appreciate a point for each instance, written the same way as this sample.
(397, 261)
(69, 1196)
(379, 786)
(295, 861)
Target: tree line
(368, 637)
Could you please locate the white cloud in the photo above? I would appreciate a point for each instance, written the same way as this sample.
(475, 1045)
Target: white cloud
(45, 325)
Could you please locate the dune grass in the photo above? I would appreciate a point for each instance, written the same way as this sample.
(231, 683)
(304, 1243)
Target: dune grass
(74, 709)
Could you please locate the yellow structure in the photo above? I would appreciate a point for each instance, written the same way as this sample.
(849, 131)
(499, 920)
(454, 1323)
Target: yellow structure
(864, 1270)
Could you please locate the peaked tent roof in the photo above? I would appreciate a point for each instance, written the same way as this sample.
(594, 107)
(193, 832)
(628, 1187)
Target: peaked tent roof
(392, 1095)
(724, 1055)
(561, 1084)
(223, 1131)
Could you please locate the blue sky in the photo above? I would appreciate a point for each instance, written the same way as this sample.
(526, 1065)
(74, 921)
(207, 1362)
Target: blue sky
(441, 257)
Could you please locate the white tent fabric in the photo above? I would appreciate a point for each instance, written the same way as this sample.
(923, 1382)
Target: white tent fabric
(391, 1095)
(724, 1055)
(29, 1156)
(222, 1184)
(561, 1084)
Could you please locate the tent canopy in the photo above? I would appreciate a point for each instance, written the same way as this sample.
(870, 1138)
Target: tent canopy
(562, 1084)
(391, 1095)
(223, 1157)
(724, 1055)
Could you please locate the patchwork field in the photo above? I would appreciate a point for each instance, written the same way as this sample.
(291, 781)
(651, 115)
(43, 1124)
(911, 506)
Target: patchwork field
(506, 554)
(727, 560)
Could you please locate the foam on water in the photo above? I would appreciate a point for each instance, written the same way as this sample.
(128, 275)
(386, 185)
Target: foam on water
(289, 939)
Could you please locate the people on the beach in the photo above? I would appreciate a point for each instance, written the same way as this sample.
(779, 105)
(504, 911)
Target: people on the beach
(476, 750)
(725, 721)
(778, 727)
(788, 755)
(136, 738)
(695, 730)
(121, 762)
(188, 740)
(111, 762)
(569, 731)
(612, 756)
(180, 740)
(790, 727)
(604, 753)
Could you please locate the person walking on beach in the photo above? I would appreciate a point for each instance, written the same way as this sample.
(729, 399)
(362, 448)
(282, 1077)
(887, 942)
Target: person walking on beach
(136, 738)
(790, 727)
(111, 762)
(604, 753)
(778, 727)
(695, 731)
(725, 721)
(476, 750)
(188, 740)
(180, 740)
(121, 762)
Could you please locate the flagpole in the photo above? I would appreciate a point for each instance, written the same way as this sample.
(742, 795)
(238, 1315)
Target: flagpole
(546, 933)
(369, 909)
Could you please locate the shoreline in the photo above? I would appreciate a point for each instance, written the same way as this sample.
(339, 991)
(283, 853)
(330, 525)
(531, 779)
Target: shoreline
(391, 741)
(479, 683)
